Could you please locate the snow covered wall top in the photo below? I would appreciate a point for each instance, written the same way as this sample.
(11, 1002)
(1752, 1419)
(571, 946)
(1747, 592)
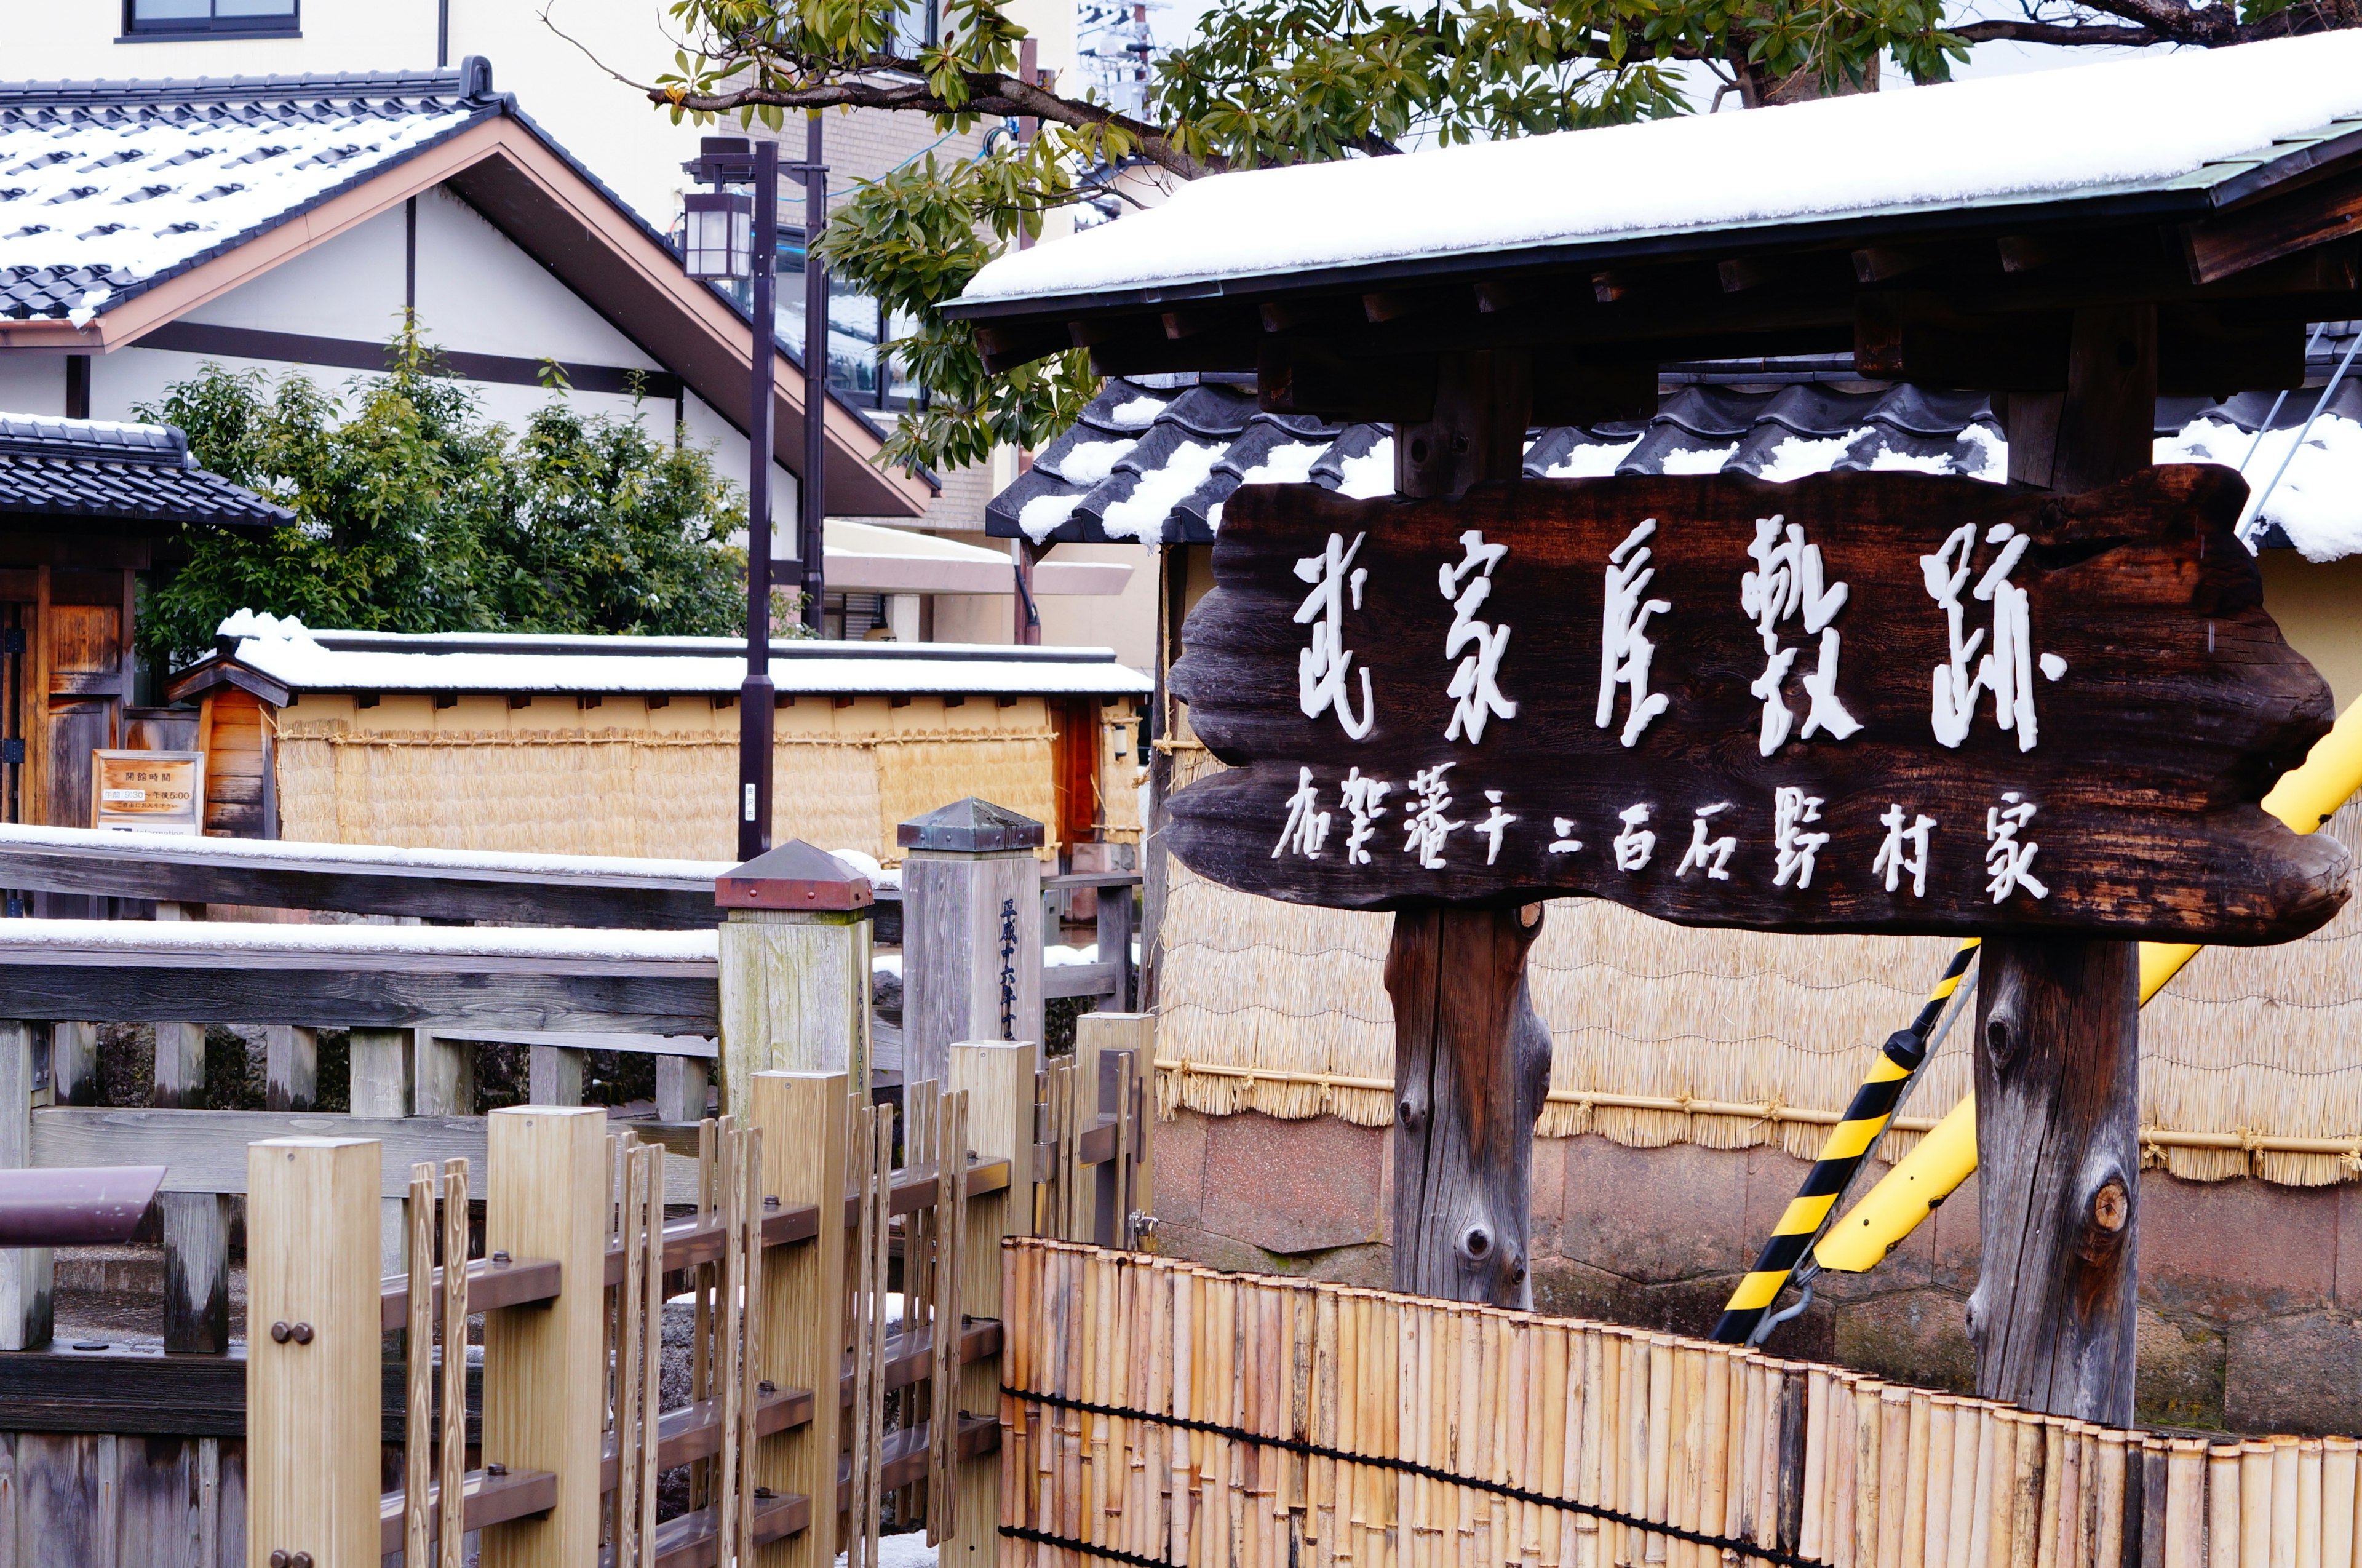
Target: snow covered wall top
(2186, 118)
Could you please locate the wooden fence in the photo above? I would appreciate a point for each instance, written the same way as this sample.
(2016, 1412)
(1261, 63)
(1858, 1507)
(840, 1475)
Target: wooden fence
(1162, 1413)
(110, 1454)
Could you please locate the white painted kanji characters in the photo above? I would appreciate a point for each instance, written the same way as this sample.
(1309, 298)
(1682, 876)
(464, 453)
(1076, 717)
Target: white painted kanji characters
(1633, 842)
(1324, 667)
(1308, 825)
(1494, 824)
(1789, 582)
(1361, 795)
(2007, 857)
(1425, 825)
(1625, 650)
(1904, 851)
(2007, 669)
(1475, 684)
(1711, 855)
(1792, 811)
(1564, 843)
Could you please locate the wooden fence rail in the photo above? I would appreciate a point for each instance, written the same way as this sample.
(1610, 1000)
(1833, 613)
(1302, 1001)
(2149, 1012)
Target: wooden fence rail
(1158, 1412)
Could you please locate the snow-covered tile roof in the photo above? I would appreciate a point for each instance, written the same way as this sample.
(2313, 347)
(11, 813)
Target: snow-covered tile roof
(2142, 124)
(108, 187)
(302, 660)
(92, 467)
(1186, 448)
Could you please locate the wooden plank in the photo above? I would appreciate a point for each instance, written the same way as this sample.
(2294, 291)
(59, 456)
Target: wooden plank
(2059, 1162)
(1079, 980)
(682, 1086)
(196, 1272)
(350, 999)
(290, 1067)
(804, 1118)
(485, 1501)
(73, 1063)
(998, 1078)
(179, 1079)
(26, 1273)
(313, 1398)
(2139, 600)
(283, 878)
(139, 1393)
(544, 1397)
(204, 1151)
(554, 1074)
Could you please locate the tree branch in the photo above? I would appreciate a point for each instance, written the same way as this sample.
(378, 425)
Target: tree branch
(2054, 33)
(989, 93)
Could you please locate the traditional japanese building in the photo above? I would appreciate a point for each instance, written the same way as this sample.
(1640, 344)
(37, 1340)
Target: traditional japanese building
(85, 507)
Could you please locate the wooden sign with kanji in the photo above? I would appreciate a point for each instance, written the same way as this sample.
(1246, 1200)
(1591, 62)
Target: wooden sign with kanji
(1877, 701)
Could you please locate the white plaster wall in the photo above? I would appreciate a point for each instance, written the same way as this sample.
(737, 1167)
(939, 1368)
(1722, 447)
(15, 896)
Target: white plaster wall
(80, 41)
(478, 292)
(1125, 622)
(350, 287)
(33, 383)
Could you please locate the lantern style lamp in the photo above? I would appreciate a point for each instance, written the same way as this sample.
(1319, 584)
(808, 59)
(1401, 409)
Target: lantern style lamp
(720, 239)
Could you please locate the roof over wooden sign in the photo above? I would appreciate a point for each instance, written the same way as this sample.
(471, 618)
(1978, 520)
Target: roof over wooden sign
(2217, 184)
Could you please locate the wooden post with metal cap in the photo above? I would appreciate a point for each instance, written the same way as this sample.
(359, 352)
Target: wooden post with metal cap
(795, 969)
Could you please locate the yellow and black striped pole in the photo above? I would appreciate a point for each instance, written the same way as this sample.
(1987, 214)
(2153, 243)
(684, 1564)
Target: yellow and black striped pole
(1849, 1145)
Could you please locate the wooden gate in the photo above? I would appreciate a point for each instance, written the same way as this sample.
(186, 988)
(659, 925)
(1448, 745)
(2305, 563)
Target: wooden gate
(1160, 1413)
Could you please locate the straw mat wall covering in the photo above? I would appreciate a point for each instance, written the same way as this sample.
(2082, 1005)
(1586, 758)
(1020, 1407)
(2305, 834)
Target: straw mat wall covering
(634, 791)
(2246, 1044)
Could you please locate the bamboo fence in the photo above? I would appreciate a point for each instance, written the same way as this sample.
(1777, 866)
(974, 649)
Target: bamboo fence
(1662, 1034)
(1156, 1413)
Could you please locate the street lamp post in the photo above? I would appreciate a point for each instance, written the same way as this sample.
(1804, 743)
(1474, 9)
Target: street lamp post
(812, 492)
(732, 236)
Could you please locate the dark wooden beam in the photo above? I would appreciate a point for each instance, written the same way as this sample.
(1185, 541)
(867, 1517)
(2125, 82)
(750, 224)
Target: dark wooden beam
(1571, 390)
(1196, 322)
(1145, 351)
(2203, 352)
(1310, 378)
(2272, 227)
(1915, 335)
(1882, 263)
(1007, 346)
(1296, 316)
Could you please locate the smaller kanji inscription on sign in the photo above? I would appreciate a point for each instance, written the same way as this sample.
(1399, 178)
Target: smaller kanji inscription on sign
(1863, 702)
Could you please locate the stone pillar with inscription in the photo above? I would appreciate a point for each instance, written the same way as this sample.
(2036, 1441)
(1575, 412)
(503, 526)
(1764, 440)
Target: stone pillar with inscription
(971, 932)
(795, 969)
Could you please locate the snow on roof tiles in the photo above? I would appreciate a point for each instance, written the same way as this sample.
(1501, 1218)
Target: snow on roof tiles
(108, 187)
(2146, 123)
(301, 661)
(92, 467)
(1774, 432)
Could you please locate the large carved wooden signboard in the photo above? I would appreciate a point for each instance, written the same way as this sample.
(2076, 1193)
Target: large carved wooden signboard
(1864, 701)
